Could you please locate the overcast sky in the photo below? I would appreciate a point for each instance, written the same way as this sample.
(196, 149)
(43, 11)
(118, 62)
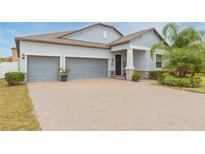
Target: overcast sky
(8, 31)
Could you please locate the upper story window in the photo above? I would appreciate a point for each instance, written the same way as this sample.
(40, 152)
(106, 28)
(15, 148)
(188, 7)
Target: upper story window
(158, 61)
(104, 34)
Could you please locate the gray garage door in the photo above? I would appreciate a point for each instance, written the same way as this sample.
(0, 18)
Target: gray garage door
(85, 68)
(41, 68)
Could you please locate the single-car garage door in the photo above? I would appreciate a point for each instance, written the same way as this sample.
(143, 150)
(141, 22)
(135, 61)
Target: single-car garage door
(42, 68)
(85, 68)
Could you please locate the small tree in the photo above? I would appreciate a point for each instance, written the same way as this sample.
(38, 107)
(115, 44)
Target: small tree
(186, 52)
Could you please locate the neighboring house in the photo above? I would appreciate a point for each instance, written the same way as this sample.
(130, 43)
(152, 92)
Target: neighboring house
(96, 51)
(14, 55)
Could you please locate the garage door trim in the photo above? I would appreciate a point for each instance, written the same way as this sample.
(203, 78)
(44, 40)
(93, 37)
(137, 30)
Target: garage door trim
(89, 57)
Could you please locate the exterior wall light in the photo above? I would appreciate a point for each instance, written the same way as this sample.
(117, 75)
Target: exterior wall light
(23, 56)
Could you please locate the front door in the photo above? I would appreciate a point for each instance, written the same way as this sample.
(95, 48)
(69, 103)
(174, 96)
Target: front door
(118, 66)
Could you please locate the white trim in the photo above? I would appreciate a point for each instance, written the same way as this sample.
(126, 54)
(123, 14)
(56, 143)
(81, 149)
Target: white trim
(64, 62)
(121, 47)
(43, 54)
(61, 62)
(94, 57)
(26, 63)
(108, 67)
(139, 47)
(121, 62)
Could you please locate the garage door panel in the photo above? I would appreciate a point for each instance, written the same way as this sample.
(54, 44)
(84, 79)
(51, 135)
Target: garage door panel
(41, 68)
(85, 68)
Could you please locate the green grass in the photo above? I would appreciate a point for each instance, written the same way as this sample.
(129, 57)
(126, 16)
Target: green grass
(16, 110)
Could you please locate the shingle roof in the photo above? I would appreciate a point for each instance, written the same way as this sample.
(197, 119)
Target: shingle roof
(54, 38)
(135, 35)
(57, 38)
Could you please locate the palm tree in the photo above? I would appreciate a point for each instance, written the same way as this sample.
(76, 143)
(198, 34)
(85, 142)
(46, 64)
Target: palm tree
(186, 52)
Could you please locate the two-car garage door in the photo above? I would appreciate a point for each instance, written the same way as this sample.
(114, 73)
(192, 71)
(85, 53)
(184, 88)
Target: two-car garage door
(86, 68)
(42, 68)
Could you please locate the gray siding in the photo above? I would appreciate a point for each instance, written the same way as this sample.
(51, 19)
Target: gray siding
(86, 68)
(95, 34)
(41, 68)
(147, 40)
(140, 60)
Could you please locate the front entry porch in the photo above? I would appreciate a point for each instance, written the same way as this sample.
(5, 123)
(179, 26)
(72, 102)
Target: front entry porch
(126, 61)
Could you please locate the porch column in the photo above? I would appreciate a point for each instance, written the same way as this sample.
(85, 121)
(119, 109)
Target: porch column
(62, 62)
(130, 66)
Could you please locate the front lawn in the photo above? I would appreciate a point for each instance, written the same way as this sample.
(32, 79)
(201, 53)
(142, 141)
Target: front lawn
(16, 110)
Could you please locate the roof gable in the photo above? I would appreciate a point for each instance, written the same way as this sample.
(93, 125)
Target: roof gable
(96, 33)
(137, 35)
(146, 40)
(88, 27)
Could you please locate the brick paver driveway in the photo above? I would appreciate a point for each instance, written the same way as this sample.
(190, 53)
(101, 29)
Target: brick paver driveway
(112, 104)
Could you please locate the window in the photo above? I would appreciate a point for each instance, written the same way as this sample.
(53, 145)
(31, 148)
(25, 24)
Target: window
(158, 61)
(104, 34)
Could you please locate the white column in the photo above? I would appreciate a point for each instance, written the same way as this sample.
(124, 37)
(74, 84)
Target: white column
(25, 65)
(25, 62)
(62, 62)
(130, 65)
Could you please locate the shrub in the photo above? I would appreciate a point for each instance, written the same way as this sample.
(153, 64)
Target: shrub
(181, 82)
(135, 76)
(161, 78)
(196, 81)
(14, 78)
(200, 74)
(156, 74)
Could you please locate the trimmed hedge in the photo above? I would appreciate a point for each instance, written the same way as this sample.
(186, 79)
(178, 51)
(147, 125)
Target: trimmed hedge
(135, 76)
(181, 82)
(14, 78)
(156, 74)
